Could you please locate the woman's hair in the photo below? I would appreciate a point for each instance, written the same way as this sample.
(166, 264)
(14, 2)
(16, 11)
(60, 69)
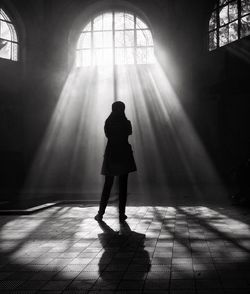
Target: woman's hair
(118, 107)
(118, 112)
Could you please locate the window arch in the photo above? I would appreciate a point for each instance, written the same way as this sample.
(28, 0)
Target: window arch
(115, 37)
(8, 38)
(230, 21)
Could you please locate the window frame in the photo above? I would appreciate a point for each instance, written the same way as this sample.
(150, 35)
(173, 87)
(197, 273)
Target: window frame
(218, 26)
(14, 40)
(113, 30)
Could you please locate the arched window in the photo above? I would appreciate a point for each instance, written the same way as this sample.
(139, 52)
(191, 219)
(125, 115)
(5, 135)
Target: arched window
(115, 38)
(8, 38)
(230, 21)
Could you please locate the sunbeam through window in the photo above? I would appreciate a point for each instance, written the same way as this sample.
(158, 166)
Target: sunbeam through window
(166, 146)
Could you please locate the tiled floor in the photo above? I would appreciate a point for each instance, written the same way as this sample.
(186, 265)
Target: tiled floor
(160, 250)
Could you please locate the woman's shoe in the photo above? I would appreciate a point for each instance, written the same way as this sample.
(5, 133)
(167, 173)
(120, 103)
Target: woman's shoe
(98, 217)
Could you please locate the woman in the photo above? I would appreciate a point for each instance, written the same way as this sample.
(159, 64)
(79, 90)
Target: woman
(118, 158)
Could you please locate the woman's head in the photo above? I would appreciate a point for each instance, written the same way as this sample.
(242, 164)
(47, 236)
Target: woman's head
(118, 107)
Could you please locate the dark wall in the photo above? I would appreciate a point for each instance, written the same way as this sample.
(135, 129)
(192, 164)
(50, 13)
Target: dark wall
(213, 86)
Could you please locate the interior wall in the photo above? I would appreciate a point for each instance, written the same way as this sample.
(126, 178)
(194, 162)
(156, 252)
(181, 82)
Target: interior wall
(212, 86)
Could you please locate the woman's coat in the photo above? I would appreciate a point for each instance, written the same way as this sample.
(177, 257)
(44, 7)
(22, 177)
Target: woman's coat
(118, 156)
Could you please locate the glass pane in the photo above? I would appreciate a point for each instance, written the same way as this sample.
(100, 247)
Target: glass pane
(1, 14)
(107, 21)
(14, 52)
(148, 37)
(97, 26)
(84, 41)
(223, 36)
(129, 21)
(119, 39)
(97, 36)
(5, 49)
(78, 58)
(224, 15)
(212, 40)
(150, 55)
(98, 56)
(107, 39)
(223, 2)
(233, 31)
(233, 11)
(107, 56)
(83, 58)
(245, 26)
(213, 22)
(13, 32)
(5, 31)
(245, 7)
(119, 56)
(129, 38)
(140, 24)
(4, 16)
(141, 55)
(129, 56)
(141, 38)
(87, 28)
(119, 21)
(86, 55)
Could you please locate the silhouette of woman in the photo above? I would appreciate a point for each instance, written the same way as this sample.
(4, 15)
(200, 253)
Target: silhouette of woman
(118, 158)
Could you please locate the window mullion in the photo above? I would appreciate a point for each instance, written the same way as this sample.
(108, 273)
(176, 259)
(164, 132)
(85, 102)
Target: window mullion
(114, 65)
(226, 25)
(113, 36)
(218, 24)
(7, 21)
(11, 51)
(135, 41)
(239, 18)
(92, 43)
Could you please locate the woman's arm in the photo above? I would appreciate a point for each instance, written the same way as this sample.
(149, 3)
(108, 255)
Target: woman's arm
(129, 128)
(106, 129)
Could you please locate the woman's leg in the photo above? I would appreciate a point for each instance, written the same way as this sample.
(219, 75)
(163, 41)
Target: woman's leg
(105, 194)
(123, 183)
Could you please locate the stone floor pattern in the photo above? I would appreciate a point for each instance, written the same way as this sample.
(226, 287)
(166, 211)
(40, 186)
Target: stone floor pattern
(160, 249)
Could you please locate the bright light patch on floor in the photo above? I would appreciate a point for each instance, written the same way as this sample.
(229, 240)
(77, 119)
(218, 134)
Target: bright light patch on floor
(67, 240)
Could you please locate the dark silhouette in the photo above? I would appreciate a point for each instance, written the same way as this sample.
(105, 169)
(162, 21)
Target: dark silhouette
(118, 158)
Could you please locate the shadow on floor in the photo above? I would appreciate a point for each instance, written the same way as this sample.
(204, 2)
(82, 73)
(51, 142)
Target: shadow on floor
(62, 249)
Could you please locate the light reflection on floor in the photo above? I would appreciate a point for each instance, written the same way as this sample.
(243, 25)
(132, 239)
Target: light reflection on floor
(194, 249)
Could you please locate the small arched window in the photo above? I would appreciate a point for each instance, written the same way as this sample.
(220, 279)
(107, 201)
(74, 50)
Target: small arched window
(115, 38)
(8, 38)
(230, 21)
